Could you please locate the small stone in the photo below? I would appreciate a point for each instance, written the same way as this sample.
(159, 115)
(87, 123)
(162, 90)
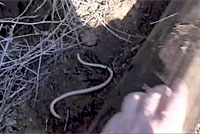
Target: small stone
(89, 37)
(30, 119)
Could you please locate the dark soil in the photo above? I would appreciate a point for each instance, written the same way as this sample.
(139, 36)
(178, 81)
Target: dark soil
(68, 75)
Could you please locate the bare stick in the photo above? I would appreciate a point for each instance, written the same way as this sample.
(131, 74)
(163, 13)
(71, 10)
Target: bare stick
(163, 19)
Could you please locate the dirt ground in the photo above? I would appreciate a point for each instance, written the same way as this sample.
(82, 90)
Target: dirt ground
(100, 46)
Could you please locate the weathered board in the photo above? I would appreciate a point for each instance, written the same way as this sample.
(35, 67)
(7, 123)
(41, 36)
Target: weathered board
(171, 51)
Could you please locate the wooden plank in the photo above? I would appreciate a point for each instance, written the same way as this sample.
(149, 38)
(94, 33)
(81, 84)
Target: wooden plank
(171, 51)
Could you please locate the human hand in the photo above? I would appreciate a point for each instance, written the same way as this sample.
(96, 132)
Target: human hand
(160, 110)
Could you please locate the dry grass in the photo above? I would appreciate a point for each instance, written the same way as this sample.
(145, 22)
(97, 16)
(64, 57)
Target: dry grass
(25, 55)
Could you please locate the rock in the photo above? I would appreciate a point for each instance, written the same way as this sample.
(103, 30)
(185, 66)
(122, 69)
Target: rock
(89, 37)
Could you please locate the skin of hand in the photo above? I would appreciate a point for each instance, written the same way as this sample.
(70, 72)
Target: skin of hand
(159, 110)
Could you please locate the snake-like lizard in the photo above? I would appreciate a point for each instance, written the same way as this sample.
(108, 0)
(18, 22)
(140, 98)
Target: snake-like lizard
(82, 91)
